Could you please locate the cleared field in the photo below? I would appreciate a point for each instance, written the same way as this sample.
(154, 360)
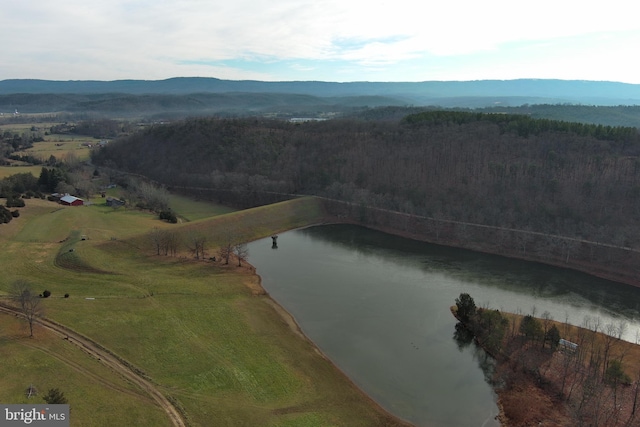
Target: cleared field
(6, 126)
(55, 363)
(6, 122)
(203, 332)
(61, 147)
(6, 171)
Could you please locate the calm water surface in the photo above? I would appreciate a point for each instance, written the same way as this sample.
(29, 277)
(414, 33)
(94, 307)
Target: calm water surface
(378, 306)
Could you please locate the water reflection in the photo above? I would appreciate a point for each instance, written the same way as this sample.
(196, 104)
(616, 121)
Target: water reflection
(464, 339)
(462, 336)
(378, 306)
(565, 288)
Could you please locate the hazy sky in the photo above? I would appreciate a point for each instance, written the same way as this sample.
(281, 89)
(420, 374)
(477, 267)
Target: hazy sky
(330, 40)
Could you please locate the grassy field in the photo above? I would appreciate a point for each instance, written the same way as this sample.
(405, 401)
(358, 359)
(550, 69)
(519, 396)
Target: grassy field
(6, 171)
(192, 210)
(61, 146)
(203, 332)
(58, 145)
(49, 362)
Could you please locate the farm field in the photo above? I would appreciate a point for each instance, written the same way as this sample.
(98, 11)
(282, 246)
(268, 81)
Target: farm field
(54, 363)
(58, 145)
(61, 146)
(203, 333)
(6, 171)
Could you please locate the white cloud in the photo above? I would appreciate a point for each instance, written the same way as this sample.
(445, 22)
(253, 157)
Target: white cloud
(108, 39)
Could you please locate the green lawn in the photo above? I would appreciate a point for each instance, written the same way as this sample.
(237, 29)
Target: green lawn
(201, 331)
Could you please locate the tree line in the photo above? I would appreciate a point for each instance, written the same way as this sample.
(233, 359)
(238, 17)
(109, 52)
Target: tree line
(169, 242)
(512, 171)
(619, 115)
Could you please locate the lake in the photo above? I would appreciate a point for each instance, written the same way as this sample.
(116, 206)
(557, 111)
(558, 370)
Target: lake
(378, 306)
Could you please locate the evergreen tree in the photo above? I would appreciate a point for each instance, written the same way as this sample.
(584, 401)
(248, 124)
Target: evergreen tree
(553, 336)
(531, 328)
(466, 307)
(55, 397)
(43, 179)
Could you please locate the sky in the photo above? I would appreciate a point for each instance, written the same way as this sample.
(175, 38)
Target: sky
(327, 40)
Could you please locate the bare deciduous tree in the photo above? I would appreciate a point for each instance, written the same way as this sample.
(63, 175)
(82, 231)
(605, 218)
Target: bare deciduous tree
(226, 248)
(547, 318)
(156, 237)
(197, 243)
(166, 242)
(241, 252)
(27, 301)
(172, 240)
(636, 390)
(610, 339)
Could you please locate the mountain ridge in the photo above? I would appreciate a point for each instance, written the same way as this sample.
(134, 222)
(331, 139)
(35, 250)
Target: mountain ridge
(419, 93)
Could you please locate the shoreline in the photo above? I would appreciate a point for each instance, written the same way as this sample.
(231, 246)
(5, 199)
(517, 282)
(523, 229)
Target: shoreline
(293, 325)
(500, 395)
(328, 219)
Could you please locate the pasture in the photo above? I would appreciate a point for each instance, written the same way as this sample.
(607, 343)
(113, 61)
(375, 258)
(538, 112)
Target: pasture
(6, 171)
(203, 332)
(61, 147)
(50, 362)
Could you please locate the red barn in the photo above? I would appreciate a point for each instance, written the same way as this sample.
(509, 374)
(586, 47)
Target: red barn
(71, 201)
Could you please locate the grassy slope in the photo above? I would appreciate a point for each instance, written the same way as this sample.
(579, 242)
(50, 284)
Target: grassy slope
(196, 328)
(252, 224)
(49, 362)
(192, 210)
(29, 247)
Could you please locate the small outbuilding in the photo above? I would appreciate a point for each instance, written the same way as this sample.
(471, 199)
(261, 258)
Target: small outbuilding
(567, 346)
(71, 201)
(113, 202)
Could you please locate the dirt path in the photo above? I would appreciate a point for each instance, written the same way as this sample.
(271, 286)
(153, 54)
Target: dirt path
(105, 357)
(34, 344)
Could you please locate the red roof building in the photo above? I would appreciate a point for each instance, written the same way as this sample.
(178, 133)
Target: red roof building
(71, 201)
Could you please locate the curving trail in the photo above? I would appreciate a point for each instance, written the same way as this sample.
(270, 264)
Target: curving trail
(107, 358)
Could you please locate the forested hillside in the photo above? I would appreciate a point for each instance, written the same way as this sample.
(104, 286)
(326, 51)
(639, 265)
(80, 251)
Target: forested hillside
(620, 115)
(502, 170)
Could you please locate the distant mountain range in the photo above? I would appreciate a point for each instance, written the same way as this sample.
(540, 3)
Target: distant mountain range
(194, 96)
(445, 93)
